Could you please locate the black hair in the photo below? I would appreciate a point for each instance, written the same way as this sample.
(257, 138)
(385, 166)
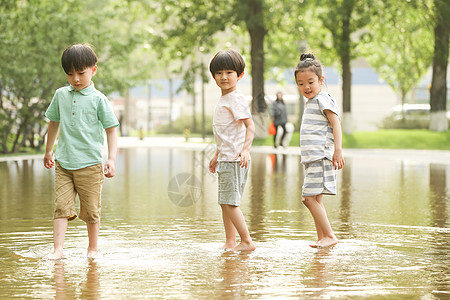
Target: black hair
(227, 60)
(78, 57)
(308, 62)
(281, 96)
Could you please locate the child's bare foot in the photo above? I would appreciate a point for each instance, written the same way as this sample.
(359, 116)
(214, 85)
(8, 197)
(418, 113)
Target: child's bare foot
(243, 246)
(57, 254)
(325, 242)
(228, 246)
(92, 253)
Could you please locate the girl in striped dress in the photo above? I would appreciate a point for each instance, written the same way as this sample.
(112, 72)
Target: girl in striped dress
(320, 145)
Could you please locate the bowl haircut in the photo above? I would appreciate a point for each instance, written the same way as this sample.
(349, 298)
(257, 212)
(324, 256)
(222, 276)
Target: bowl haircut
(227, 60)
(78, 57)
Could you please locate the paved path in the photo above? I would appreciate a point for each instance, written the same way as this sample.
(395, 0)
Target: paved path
(429, 156)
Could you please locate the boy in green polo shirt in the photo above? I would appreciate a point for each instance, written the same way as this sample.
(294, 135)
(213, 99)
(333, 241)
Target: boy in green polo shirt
(81, 113)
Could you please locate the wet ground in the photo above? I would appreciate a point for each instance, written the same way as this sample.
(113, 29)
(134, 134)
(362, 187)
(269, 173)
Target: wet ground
(161, 230)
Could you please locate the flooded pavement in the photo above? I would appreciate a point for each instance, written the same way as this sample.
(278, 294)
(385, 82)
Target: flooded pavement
(161, 230)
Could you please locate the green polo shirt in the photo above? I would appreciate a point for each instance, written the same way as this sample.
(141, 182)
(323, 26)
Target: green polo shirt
(82, 117)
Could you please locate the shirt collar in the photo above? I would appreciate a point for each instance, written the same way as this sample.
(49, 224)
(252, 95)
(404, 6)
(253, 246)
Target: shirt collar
(85, 91)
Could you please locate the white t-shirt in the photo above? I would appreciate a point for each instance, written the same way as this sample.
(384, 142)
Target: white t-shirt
(228, 126)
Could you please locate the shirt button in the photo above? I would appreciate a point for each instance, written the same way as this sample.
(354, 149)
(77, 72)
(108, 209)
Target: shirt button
(74, 101)
(73, 113)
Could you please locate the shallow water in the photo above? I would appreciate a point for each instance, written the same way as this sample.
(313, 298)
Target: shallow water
(161, 230)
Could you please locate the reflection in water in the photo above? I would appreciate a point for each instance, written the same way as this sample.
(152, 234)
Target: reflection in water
(345, 227)
(90, 289)
(438, 197)
(392, 218)
(316, 278)
(256, 187)
(65, 288)
(439, 217)
(235, 274)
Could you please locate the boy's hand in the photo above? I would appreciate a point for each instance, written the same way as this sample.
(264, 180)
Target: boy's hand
(338, 160)
(213, 164)
(245, 156)
(49, 162)
(110, 169)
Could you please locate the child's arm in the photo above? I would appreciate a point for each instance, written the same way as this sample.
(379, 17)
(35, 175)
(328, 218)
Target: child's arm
(249, 135)
(213, 163)
(338, 156)
(53, 127)
(110, 166)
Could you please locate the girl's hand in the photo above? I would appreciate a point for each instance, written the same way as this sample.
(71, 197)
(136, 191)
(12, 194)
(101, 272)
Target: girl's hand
(338, 160)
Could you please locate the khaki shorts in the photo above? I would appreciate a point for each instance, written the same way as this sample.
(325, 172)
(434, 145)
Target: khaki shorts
(87, 184)
(231, 182)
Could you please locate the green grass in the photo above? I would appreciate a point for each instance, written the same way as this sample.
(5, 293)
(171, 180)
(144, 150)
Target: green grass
(385, 139)
(382, 139)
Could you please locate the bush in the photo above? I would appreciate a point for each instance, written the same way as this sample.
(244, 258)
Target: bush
(393, 122)
(185, 122)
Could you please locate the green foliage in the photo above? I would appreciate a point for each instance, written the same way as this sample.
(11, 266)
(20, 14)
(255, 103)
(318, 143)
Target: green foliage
(33, 37)
(399, 45)
(337, 28)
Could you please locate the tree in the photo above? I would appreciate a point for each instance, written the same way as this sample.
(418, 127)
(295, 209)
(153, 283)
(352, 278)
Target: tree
(33, 37)
(214, 21)
(344, 21)
(438, 93)
(398, 44)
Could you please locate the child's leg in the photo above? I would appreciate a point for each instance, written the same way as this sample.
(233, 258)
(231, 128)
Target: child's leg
(93, 230)
(88, 182)
(230, 230)
(59, 233)
(325, 234)
(234, 213)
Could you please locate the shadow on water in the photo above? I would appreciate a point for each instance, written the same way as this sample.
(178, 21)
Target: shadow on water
(162, 229)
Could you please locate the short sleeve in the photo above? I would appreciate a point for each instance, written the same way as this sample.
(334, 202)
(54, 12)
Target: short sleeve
(240, 108)
(106, 113)
(326, 101)
(52, 112)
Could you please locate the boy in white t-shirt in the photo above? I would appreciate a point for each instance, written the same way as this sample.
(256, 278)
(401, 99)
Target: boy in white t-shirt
(233, 131)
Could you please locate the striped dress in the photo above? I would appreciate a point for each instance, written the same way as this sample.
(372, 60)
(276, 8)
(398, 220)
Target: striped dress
(317, 146)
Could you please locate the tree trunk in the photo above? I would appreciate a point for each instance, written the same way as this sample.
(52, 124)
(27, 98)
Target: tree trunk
(126, 117)
(257, 31)
(203, 105)
(344, 53)
(438, 92)
(170, 104)
(15, 147)
(194, 118)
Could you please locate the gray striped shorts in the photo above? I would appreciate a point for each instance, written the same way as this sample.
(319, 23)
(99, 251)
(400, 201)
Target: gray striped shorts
(320, 178)
(231, 182)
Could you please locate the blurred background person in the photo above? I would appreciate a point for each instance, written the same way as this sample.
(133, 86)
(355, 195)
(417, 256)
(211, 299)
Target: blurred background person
(279, 118)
